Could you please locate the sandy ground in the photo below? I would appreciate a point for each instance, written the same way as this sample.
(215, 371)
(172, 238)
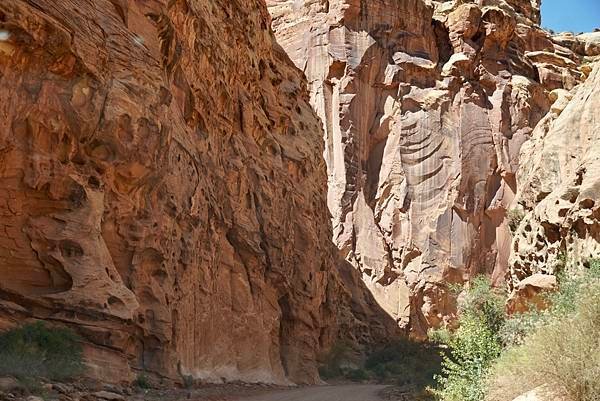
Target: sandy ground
(322, 393)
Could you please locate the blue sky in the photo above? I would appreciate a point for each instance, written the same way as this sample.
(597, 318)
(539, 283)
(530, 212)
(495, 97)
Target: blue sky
(571, 15)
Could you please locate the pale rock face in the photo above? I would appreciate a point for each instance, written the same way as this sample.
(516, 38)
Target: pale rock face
(587, 44)
(425, 106)
(559, 186)
(162, 190)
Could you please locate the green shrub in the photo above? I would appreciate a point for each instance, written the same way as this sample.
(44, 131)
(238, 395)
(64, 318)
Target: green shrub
(497, 358)
(332, 363)
(402, 362)
(474, 346)
(564, 353)
(393, 352)
(35, 350)
(562, 303)
(405, 362)
(472, 349)
(142, 381)
(357, 375)
(485, 302)
(516, 328)
(565, 300)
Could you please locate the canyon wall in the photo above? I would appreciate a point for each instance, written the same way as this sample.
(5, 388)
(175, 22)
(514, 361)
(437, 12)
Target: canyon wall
(559, 187)
(168, 181)
(162, 191)
(425, 107)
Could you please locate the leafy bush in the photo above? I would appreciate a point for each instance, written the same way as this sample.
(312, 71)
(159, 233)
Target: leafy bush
(562, 303)
(357, 375)
(35, 350)
(474, 346)
(485, 302)
(497, 358)
(142, 381)
(516, 328)
(402, 362)
(405, 362)
(564, 353)
(565, 300)
(333, 363)
(472, 349)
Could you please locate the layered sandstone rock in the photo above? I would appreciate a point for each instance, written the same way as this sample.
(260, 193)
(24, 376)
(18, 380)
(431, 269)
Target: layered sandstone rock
(162, 190)
(559, 186)
(425, 107)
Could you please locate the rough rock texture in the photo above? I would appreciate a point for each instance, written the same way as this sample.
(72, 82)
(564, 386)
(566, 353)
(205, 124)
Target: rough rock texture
(586, 44)
(162, 190)
(425, 108)
(559, 186)
(531, 292)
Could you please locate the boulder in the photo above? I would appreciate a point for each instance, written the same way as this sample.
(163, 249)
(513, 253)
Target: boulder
(530, 293)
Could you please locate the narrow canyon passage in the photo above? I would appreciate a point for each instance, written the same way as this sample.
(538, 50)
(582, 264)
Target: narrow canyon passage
(279, 192)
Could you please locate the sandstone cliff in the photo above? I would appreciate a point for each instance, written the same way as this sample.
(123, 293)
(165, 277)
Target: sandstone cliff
(559, 186)
(425, 106)
(162, 185)
(162, 190)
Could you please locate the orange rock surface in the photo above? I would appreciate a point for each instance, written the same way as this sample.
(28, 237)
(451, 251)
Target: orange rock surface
(162, 189)
(425, 106)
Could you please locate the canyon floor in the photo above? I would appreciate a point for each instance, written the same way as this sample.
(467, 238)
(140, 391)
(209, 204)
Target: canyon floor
(350, 392)
(336, 392)
(230, 392)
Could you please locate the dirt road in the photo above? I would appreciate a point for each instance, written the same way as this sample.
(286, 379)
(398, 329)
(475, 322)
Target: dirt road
(324, 393)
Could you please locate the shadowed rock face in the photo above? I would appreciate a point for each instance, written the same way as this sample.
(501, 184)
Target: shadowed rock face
(162, 190)
(425, 106)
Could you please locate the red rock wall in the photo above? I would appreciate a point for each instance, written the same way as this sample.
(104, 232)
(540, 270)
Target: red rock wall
(425, 106)
(162, 189)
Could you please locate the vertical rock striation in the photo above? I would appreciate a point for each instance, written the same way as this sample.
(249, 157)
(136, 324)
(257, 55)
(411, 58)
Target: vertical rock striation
(162, 189)
(425, 106)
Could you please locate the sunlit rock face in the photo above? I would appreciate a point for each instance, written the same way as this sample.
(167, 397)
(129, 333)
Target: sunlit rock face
(162, 191)
(425, 106)
(559, 187)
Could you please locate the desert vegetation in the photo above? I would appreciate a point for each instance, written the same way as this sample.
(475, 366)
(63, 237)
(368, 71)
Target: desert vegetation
(404, 363)
(495, 357)
(35, 350)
